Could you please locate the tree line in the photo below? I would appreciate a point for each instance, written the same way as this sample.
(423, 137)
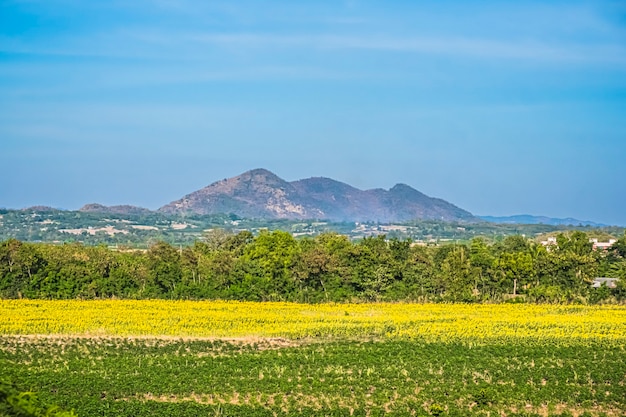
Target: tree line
(275, 266)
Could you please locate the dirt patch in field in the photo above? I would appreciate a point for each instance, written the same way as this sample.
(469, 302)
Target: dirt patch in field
(261, 343)
(296, 401)
(287, 402)
(546, 410)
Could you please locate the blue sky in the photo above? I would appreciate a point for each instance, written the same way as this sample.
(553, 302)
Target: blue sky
(498, 107)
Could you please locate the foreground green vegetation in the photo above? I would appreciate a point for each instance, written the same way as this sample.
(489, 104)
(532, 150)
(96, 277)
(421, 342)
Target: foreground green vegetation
(275, 266)
(147, 377)
(14, 403)
(190, 358)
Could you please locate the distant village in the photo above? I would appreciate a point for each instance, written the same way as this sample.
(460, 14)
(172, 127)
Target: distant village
(551, 241)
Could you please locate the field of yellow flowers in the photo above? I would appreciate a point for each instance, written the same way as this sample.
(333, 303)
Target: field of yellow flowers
(226, 319)
(220, 358)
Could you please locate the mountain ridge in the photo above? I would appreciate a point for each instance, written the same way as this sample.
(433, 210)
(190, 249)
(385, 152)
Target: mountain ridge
(124, 209)
(312, 198)
(262, 194)
(532, 219)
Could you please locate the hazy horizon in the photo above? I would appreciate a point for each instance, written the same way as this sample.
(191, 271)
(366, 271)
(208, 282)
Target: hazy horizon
(499, 108)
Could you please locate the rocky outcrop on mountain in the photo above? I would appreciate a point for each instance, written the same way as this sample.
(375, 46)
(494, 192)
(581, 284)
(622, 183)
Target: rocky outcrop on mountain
(262, 194)
(258, 194)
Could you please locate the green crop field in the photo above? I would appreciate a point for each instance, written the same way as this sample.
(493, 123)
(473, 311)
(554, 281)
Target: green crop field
(147, 377)
(381, 374)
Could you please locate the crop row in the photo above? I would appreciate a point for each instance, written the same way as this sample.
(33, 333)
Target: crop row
(121, 376)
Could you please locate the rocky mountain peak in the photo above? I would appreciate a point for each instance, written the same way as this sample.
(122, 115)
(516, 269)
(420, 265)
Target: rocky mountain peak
(260, 193)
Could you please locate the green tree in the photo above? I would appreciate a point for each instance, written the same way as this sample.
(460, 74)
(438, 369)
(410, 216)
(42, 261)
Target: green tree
(268, 262)
(130, 276)
(323, 268)
(482, 261)
(577, 242)
(19, 262)
(164, 268)
(512, 244)
(457, 275)
(619, 247)
(418, 275)
(516, 269)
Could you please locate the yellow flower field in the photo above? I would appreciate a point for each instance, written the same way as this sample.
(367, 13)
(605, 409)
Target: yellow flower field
(294, 321)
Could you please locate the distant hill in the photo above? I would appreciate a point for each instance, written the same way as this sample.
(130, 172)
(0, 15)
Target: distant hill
(262, 194)
(529, 219)
(123, 209)
(40, 209)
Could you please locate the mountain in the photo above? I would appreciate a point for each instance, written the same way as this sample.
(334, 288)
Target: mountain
(40, 209)
(530, 219)
(123, 209)
(262, 194)
(258, 193)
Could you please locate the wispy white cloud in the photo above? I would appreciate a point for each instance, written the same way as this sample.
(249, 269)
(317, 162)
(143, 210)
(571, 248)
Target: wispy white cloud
(192, 45)
(535, 33)
(601, 53)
